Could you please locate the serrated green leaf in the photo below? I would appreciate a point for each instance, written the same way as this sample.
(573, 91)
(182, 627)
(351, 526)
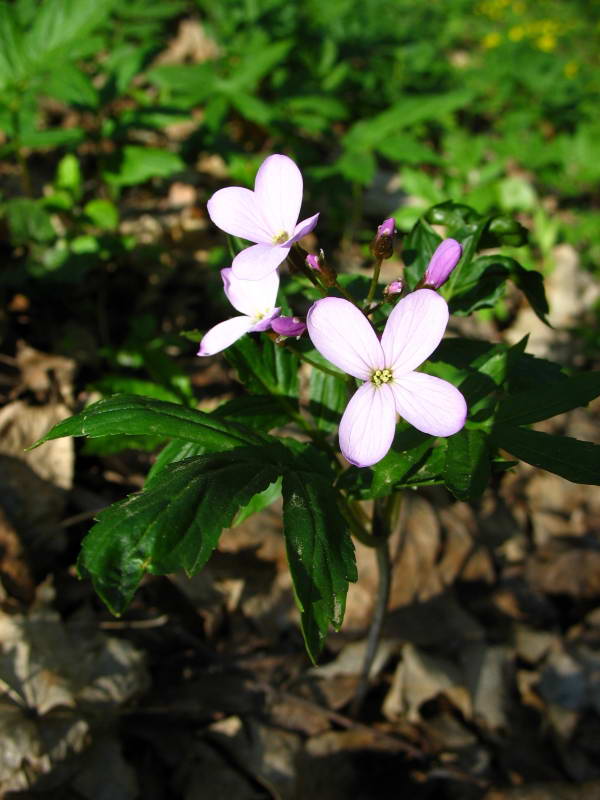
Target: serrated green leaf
(131, 414)
(320, 554)
(258, 503)
(467, 468)
(533, 406)
(174, 524)
(572, 459)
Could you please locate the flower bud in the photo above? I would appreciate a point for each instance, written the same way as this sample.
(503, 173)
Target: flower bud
(326, 273)
(312, 261)
(395, 287)
(383, 243)
(443, 261)
(288, 326)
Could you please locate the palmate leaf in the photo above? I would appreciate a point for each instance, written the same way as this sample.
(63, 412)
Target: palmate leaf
(174, 524)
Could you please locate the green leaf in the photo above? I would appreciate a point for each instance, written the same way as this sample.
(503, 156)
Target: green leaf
(174, 524)
(13, 64)
(175, 450)
(320, 554)
(259, 502)
(262, 412)
(572, 459)
(328, 398)
(72, 86)
(140, 415)
(39, 140)
(102, 213)
(135, 165)
(533, 406)
(531, 283)
(60, 25)
(28, 220)
(68, 174)
(409, 452)
(482, 285)
(417, 250)
(467, 468)
(262, 365)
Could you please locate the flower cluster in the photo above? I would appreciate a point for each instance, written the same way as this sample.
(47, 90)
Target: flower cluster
(339, 329)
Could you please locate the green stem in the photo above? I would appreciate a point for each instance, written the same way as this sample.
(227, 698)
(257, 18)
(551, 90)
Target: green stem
(380, 535)
(314, 364)
(374, 280)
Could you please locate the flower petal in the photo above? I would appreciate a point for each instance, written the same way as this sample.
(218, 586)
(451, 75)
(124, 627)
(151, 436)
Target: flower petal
(343, 334)
(430, 404)
(304, 227)
(413, 330)
(278, 190)
(236, 211)
(288, 326)
(368, 425)
(258, 261)
(251, 297)
(224, 334)
(265, 323)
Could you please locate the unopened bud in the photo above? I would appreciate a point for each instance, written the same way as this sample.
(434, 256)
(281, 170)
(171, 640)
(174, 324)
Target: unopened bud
(395, 287)
(443, 261)
(383, 243)
(327, 274)
(288, 326)
(312, 261)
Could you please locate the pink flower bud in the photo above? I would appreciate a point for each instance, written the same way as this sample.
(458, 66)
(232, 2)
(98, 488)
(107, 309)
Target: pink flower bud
(313, 262)
(443, 261)
(395, 287)
(383, 243)
(288, 326)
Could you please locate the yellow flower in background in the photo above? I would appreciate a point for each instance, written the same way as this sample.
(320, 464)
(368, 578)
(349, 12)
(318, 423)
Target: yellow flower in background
(518, 7)
(516, 34)
(571, 69)
(491, 40)
(547, 42)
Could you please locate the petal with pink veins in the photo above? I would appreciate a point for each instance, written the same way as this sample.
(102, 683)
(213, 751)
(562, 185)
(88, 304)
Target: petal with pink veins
(223, 335)
(251, 297)
(430, 404)
(368, 425)
(278, 191)
(343, 334)
(413, 330)
(258, 261)
(236, 211)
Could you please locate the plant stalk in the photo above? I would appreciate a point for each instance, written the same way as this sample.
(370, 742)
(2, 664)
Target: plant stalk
(380, 533)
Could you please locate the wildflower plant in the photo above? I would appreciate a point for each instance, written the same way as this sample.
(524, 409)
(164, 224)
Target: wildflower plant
(394, 403)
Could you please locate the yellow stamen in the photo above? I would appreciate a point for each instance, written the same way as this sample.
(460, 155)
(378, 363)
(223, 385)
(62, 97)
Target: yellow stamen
(381, 376)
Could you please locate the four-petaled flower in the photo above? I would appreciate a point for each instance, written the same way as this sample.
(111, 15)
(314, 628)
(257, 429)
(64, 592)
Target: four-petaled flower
(254, 299)
(268, 216)
(342, 334)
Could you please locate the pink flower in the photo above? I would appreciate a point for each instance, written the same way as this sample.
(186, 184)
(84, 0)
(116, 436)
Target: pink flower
(443, 261)
(342, 334)
(255, 300)
(268, 216)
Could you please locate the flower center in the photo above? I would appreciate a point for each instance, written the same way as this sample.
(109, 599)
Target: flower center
(381, 376)
(281, 237)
